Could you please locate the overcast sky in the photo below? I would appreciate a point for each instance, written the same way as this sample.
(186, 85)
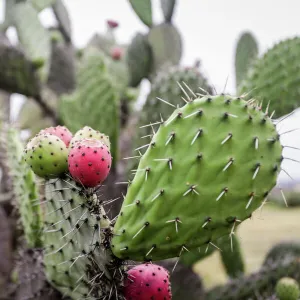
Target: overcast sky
(209, 29)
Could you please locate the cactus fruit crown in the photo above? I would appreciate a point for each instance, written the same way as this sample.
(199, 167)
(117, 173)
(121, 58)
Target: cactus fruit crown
(207, 168)
(287, 289)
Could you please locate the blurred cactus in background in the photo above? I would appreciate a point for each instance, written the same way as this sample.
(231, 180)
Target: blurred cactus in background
(52, 224)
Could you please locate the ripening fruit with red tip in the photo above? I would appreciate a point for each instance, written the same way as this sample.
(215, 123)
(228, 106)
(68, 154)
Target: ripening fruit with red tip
(60, 131)
(89, 162)
(116, 53)
(147, 281)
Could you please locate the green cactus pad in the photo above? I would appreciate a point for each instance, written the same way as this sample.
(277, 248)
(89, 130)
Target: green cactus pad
(24, 188)
(34, 38)
(187, 190)
(166, 45)
(274, 78)
(47, 155)
(287, 289)
(144, 10)
(167, 7)
(246, 52)
(63, 19)
(76, 242)
(139, 59)
(17, 72)
(89, 133)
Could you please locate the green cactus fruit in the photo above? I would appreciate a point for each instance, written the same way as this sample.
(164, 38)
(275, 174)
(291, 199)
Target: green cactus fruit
(34, 38)
(17, 72)
(274, 78)
(77, 243)
(281, 250)
(47, 155)
(40, 5)
(63, 19)
(230, 252)
(246, 52)
(89, 133)
(144, 10)
(287, 289)
(261, 283)
(187, 190)
(139, 59)
(24, 188)
(167, 7)
(166, 45)
(95, 102)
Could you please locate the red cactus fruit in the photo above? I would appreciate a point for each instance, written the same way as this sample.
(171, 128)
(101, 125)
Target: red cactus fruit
(116, 53)
(89, 162)
(147, 281)
(112, 23)
(60, 131)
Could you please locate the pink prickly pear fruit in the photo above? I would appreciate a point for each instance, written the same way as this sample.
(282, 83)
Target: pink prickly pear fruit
(60, 131)
(147, 281)
(116, 53)
(112, 23)
(89, 162)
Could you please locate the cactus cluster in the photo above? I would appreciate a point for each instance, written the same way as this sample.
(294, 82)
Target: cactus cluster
(208, 160)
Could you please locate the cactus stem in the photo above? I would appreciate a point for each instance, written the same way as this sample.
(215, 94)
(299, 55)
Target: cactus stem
(166, 102)
(179, 114)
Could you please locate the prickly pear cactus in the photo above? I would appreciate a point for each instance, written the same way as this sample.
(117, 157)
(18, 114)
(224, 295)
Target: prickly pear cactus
(187, 190)
(24, 188)
(167, 7)
(275, 79)
(77, 258)
(34, 38)
(246, 52)
(139, 59)
(166, 45)
(261, 283)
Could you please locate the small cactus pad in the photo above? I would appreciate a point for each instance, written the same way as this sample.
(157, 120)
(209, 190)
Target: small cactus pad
(274, 78)
(147, 281)
(287, 289)
(76, 241)
(89, 162)
(47, 155)
(89, 133)
(60, 131)
(207, 168)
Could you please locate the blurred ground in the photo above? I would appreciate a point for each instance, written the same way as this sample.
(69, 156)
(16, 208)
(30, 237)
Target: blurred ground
(268, 227)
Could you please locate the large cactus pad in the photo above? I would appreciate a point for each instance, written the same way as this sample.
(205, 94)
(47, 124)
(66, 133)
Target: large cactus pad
(208, 167)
